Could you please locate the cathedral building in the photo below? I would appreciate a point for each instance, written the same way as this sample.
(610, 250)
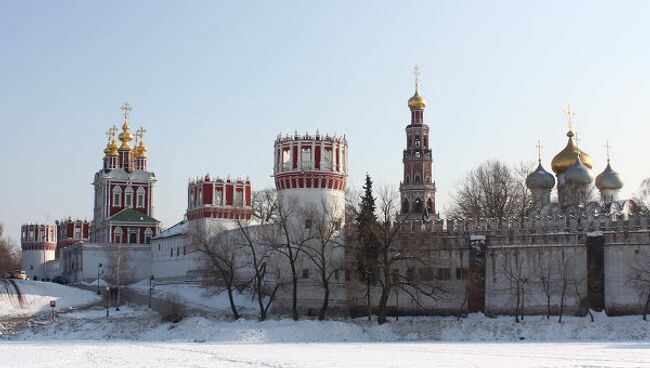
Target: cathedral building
(417, 189)
(124, 191)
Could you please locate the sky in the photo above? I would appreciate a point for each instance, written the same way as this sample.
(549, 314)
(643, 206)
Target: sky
(214, 82)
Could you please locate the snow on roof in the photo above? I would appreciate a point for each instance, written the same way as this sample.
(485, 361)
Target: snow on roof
(180, 228)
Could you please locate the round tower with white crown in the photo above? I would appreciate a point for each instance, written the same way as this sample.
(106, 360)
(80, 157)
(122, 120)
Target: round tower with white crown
(312, 170)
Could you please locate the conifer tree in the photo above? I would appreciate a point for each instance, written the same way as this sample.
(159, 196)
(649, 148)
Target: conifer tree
(367, 251)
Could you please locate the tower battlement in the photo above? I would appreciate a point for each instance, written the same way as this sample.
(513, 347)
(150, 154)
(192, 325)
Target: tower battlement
(219, 199)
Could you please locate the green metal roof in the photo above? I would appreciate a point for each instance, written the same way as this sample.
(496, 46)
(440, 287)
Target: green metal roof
(131, 215)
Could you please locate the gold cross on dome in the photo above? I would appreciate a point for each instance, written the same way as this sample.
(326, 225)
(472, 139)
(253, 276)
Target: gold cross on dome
(577, 140)
(126, 109)
(539, 150)
(608, 148)
(569, 116)
(416, 73)
(140, 133)
(112, 131)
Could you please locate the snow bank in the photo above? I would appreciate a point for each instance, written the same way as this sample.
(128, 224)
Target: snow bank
(37, 296)
(195, 296)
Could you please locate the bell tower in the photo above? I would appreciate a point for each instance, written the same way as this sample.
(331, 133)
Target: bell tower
(417, 190)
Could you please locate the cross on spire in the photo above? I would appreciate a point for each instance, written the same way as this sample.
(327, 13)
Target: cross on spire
(416, 73)
(111, 132)
(539, 150)
(608, 149)
(577, 140)
(126, 109)
(140, 133)
(569, 116)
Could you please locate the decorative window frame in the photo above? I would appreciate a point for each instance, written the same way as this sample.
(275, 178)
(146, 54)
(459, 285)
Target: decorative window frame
(117, 194)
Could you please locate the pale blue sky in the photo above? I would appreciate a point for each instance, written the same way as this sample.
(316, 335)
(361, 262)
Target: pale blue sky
(214, 82)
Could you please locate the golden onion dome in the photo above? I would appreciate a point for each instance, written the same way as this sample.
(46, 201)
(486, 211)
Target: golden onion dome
(417, 102)
(140, 150)
(567, 157)
(112, 148)
(126, 136)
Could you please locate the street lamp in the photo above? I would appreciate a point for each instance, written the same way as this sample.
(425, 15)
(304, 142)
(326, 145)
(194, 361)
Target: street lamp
(99, 267)
(151, 285)
(108, 297)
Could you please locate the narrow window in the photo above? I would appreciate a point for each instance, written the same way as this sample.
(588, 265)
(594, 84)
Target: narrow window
(307, 223)
(140, 197)
(305, 273)
(117, 197)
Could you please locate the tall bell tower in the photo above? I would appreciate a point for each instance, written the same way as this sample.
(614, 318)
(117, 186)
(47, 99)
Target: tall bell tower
(417, 190)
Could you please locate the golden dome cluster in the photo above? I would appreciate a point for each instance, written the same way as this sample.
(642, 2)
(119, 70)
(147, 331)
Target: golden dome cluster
(567, 157)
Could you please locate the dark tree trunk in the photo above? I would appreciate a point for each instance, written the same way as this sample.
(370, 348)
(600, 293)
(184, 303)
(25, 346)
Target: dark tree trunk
(294, 303)
(368, 298)
(645, 309)
(383, 301)
(326, 301)
(233, 307)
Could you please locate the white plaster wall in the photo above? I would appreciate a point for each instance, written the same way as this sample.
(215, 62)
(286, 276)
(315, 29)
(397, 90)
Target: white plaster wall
(499, 297)
(173, 258)
(334, 199)
(34, 262)
(622, 263)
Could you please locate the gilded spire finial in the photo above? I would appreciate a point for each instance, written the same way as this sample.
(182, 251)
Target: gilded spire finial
(608, 148)
(416, 74)
(126, 136)
(569, 117)
(140, 149)
(539, 150)
(126, 109)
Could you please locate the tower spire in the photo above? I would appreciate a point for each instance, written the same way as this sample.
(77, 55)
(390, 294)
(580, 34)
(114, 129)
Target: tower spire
(539, 150)
(126, 136)
(569, 118)
(608, 150)
(416, 74)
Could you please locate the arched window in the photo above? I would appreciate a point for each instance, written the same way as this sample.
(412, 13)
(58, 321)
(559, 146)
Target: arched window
(405, 206)
(128, 197)
(140, 197)
(133, 238)
(117, 235)
(417, 179)
(407, 179)
(217, 197)
(430, 205)
(417, 205)
(117, 196)
(147, 236)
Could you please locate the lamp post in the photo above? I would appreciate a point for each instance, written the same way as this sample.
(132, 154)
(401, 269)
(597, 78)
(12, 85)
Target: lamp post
(151, 285)
(99, 267)
(108, 297)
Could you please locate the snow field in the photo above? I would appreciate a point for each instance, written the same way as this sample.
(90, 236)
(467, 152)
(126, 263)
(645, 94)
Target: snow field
(37, 296)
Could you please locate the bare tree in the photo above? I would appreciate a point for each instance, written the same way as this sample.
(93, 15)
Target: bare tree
(289, 237)
(324, 251)
(10, 259)
(493, 190)
(564, 282)
(639, 279)
(546, 278)
(394, 254)
(256, 256)
(264, 205)
(120, 272)
(220, 259)
(514, 272)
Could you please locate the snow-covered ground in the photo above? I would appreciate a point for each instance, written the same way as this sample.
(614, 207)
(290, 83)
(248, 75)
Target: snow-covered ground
(134, 337)
(73, 354)
(37, 296)
(195, 296)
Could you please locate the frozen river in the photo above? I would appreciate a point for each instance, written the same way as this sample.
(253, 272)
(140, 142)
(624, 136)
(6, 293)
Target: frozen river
(73, 354)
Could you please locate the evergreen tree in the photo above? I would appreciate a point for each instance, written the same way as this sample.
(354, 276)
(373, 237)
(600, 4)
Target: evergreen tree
(367, 251)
